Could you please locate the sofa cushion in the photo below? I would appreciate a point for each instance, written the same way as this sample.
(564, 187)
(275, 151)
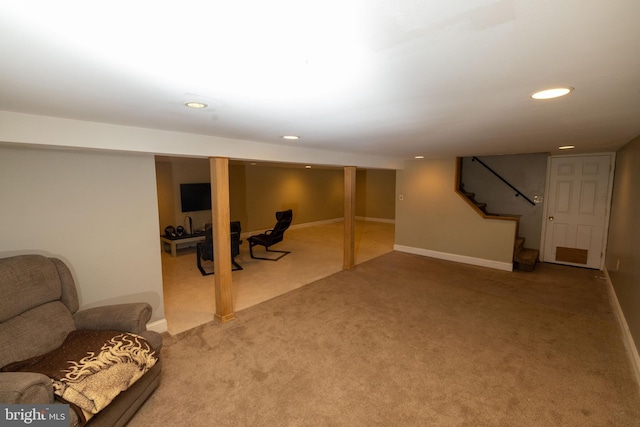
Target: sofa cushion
(35, 332)
(27, 281)
(91, 368)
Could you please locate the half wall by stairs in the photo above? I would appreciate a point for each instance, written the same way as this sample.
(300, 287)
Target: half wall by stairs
(524, 259)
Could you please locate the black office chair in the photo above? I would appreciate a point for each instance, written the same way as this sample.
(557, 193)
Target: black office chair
(273, 236)
(204, 250)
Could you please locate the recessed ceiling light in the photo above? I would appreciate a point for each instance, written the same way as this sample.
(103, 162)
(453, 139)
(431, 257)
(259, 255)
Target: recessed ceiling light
(566, 147)
(195, 105)
(291, 137)
(552, 93)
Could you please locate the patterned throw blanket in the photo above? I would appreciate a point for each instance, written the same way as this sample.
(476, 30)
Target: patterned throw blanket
(91, 368)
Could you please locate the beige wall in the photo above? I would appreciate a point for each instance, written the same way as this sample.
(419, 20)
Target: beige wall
(190, 171)
(95, 210)
(166, 198)
(433, 220)
(375, 194)
(237, 201)
(313, 194)
(258, 191)
(623, 249)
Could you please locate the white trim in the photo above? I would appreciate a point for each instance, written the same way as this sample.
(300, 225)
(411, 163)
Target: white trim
(293, 226)
(607, 212)
(629, 344)
(545, 206)
(159, 326)
(366, 218)
(313, 224)
(545, 215)
(498, 265)
(45, 131)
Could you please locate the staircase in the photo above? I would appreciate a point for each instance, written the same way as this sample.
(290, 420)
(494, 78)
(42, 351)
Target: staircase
(482, 207)
(524, 259)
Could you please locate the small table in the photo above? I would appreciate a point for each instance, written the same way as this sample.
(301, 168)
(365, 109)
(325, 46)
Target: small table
(173, 242)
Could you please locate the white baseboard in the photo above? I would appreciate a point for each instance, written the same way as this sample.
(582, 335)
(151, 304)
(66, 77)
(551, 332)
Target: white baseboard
(498, 265)
(293, 226)
(314, 223)
(367, 218)
(632, 350)
(159, 326)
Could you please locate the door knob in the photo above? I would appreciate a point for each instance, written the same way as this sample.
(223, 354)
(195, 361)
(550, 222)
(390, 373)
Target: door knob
(550, 218)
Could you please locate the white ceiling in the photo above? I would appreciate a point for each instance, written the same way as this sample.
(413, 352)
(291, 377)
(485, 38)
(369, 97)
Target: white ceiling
(388, 77)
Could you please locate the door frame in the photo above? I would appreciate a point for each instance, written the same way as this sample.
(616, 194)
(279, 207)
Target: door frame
(545, 214)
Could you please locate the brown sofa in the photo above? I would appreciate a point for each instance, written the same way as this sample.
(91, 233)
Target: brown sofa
(38, 310)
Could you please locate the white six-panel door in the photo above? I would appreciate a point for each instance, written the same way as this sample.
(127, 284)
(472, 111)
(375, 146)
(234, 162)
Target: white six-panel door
(577, 205)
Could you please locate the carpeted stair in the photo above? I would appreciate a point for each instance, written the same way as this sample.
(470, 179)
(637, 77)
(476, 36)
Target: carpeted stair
(524, 259)
(472, 197)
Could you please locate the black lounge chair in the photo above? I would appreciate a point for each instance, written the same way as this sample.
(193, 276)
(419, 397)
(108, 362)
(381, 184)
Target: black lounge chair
(273, 236)
(204, 250)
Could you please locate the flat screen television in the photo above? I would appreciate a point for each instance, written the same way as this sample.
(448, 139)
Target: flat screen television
(195, 197)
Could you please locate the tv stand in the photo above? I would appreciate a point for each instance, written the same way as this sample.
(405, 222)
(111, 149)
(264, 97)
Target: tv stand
(174, 241)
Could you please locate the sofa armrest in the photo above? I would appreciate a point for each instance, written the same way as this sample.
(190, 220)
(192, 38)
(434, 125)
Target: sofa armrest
(25, 388)
(131, 317)
(154, 339)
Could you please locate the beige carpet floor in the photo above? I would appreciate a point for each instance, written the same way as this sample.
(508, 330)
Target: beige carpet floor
(405, 340)
(316, 252)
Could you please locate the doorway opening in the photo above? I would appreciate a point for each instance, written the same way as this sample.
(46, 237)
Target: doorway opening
(315, 238)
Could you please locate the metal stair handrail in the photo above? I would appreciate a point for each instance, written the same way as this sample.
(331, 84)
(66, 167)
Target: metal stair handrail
(518, 192)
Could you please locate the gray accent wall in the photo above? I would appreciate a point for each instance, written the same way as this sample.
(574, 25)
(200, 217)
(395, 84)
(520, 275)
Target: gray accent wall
(526, 172)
